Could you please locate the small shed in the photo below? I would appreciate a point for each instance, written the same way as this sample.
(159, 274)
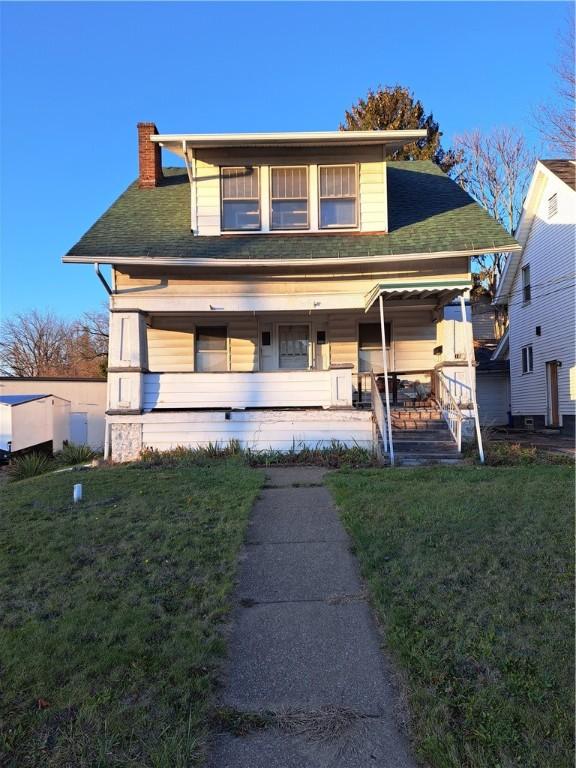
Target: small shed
(29, 421)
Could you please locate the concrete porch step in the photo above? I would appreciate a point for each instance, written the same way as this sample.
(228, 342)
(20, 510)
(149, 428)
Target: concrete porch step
(411, 460)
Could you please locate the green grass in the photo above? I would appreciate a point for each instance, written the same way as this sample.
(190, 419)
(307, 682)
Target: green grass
(111, 612)
(471, 574)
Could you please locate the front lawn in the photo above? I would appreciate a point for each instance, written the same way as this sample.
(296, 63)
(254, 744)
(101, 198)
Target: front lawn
(109, 627)
(471, 574)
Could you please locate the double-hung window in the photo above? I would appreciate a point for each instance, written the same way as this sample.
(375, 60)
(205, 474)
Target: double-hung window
(527, 359)
(289, 198)
(370, 347)
(526, 287)
(240, 198)
(211, 348)
(338, 196)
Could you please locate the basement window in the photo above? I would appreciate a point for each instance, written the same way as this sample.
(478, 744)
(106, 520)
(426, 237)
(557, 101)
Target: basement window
(240, 198)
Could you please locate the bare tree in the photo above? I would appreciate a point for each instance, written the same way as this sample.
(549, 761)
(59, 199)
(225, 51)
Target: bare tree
(495, 170)
(557, 121)
(42, 344)
(94, 328)
(34, 344)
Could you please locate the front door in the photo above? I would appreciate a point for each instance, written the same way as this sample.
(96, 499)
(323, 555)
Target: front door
(553, 416)
(294, 343)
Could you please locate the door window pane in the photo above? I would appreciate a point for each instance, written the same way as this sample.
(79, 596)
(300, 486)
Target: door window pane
(211, 348)
(240, 198)
(294, 343)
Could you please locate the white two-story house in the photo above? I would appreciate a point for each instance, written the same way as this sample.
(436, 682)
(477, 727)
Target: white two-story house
(256, 286)
(537, 287)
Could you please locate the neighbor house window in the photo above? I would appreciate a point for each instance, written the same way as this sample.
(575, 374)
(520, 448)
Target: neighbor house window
(289, 198)
(211, 348)
(338, 196)
(552, 206)
(240, 198)
(527, 359)
(526, 288)
(370, 346)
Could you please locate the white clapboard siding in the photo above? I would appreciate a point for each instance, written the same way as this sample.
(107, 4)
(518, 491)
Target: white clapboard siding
(243, 343)
(259, 430)
(238, 390)
(550, 252)
(414, 339)
(171, 349)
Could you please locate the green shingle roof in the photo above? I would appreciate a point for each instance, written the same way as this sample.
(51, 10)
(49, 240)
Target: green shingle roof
(427, 212)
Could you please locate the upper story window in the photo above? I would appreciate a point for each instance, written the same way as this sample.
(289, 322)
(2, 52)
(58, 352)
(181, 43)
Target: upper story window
(338, 196)
(240, 198)
(552, 206)
(527, 359)
(526, 287)
(289, 198)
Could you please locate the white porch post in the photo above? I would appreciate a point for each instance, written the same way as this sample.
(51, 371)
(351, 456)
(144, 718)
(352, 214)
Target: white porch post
(386, 388)
(471, 381)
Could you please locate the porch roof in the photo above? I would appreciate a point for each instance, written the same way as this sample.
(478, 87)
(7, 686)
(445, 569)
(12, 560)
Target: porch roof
(443, 292)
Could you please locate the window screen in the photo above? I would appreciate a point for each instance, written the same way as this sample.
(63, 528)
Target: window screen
(211, 348)
(240, 198)
(337, 196)
(289, 196)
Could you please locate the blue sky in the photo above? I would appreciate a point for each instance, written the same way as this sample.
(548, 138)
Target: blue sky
(77, 77)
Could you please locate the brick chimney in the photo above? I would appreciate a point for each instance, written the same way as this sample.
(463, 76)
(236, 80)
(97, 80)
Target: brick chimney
(149, 157)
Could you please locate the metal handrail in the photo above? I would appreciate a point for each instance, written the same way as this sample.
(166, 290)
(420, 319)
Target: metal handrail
(380, 414)
(450, 407)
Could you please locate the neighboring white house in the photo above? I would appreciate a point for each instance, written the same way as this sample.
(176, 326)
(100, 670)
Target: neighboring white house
(250, 288)
(538, 288)
(87, 399)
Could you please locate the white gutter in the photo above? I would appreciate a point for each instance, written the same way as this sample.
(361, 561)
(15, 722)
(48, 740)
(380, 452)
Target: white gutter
(243, 262)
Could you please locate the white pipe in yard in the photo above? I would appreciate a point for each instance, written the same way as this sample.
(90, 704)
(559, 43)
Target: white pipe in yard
(471, 380)
(386, 388)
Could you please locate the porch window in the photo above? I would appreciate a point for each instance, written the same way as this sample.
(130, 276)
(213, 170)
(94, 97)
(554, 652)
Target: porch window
(211, 348)
(338, 196)
(289, 198)
(240, 198)
(370, 347)
(527, 359)
(293, 346)
(526, 287)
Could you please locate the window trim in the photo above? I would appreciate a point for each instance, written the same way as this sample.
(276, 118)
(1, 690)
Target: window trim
(528, 351)
(356, 197)
(258, 198)
(271, 199)
(526, 287)
(227, 351)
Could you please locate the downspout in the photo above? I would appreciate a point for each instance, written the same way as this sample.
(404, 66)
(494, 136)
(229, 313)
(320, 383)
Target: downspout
(471, 380)
(190, 162)
(102, 279)
(386, 388)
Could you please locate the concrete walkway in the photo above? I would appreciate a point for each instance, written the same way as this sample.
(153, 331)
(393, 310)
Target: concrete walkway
(304, 650)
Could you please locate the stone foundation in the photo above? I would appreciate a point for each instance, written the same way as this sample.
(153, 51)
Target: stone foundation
(125, 441)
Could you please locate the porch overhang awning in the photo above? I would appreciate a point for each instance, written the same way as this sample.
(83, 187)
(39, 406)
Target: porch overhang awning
(443, 292)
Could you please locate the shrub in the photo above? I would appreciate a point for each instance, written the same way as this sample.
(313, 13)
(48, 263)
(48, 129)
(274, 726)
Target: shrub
(73, 454)
(29, 465)
(334, 455)
(184, 456)
(501, 453)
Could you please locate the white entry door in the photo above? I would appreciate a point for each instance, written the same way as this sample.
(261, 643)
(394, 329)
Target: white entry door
(294, 346)
(79, 428)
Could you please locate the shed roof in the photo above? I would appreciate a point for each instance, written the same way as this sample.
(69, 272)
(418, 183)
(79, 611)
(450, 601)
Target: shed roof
(428, 214)
(19, 399)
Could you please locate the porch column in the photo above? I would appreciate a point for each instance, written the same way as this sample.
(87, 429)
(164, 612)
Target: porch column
(471, 377)
(127, 361)
(386, 388)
